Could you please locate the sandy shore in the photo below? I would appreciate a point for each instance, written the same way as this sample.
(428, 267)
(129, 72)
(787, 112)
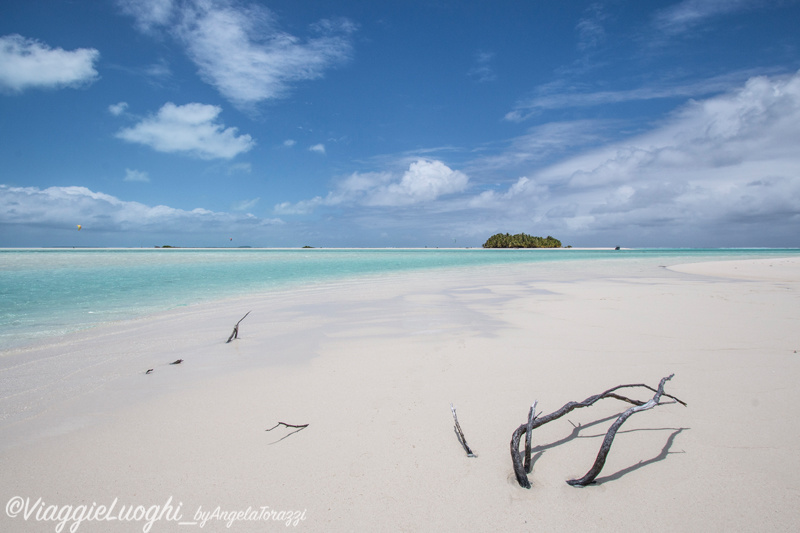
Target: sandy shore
(373, 365)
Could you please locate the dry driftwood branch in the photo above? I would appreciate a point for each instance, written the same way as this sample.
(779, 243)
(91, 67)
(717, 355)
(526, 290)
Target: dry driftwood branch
(528, 429)
(297, 428)
(284, 424)
(600, 461)
(538, 421)
(235, 334)
(460, 434)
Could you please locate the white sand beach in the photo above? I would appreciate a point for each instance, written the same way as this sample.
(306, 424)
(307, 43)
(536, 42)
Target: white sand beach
(372, 367)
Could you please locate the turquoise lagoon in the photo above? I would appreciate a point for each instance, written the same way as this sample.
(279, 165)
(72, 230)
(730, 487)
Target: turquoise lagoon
(50, 292)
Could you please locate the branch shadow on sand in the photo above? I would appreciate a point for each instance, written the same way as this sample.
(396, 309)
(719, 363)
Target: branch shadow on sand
(641, 464)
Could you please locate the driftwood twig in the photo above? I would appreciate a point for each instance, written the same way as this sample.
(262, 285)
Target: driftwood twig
(297, 428)
(460, 434)
(534, 421)
(235, 334)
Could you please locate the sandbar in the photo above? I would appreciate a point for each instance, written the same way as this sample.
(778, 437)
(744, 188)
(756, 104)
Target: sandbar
(372, 366)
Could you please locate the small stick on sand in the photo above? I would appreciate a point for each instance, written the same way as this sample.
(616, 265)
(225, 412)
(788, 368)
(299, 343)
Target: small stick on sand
(235, 334)
(300, 427)
(460, 434)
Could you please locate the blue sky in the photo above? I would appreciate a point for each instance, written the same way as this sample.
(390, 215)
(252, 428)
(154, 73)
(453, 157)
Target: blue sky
(415, 123)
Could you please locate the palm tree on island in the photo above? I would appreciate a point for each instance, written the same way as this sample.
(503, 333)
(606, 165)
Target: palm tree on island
(521, 240)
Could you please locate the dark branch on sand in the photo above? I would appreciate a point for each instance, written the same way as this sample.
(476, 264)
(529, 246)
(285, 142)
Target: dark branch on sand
(235, 334)
(612, 432)
(297, 428)
(460, 434)
(521, 469)
(528, 429)
(301, 426)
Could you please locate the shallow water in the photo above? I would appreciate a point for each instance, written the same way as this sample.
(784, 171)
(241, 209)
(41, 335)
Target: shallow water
(49, 292)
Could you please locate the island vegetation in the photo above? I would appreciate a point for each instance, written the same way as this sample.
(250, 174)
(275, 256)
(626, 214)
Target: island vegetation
(521, 240)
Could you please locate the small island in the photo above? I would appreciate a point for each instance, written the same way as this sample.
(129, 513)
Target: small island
(521, 240)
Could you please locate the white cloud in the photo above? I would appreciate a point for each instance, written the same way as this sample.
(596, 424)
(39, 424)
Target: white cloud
(543, 142)
(245, 205)
(318, 148)
(723, 171)
(482, 71)
(118, 109)
(240, 50)
(136, 175)
(157, 71)
(63, 207)
(519, 195)
(716, 168)
(27, 63)
(558, 95)
(288, 143)
(756, 122)
(423, 182)
(148, 14)
(190, 129)
(590, 28)
(246, 168)
(688, 13)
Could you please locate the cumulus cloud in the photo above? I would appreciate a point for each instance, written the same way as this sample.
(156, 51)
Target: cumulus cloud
(27, 63)
(318, 148)
(192, 129)
(423, 182)
(63, 207)
(136, 175)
